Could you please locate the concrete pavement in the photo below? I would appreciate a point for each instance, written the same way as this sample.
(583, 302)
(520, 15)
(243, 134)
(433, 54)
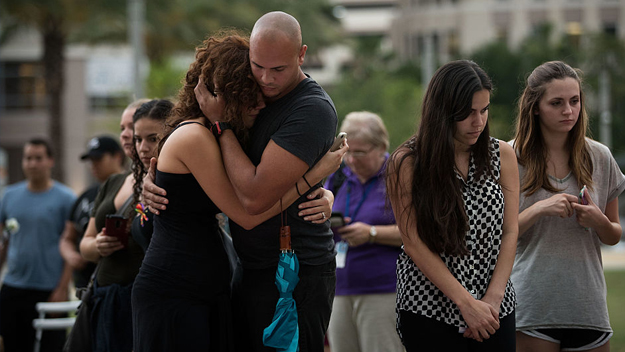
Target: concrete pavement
(614, 256)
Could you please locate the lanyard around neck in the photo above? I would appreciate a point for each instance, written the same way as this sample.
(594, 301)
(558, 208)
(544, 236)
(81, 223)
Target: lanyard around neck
(362, 200)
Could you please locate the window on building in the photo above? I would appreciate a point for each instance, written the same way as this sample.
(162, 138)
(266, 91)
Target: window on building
(610, 28)
(22, 85)
(436, 46)
(610, 18)
(573, 15)
(502, 21)
(99, 104)
(420, 47)
(454, 44)
(501, 34)
(574, 32)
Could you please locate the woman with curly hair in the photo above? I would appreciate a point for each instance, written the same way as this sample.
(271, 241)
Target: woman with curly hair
(149, 125)
(142, 122)
(181, 297)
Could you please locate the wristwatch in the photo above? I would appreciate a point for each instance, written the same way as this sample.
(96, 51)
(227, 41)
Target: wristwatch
(219, 127)
(372, 233)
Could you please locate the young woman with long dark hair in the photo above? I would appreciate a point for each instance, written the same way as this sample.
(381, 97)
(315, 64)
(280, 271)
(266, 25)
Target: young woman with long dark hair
(454, 192)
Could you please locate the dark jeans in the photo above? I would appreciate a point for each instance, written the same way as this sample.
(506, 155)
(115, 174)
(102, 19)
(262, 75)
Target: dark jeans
(420, 333)
(17, 311)
(254, 302)
(111, 318)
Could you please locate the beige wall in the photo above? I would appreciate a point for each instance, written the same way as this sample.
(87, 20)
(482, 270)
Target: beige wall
(478, 22)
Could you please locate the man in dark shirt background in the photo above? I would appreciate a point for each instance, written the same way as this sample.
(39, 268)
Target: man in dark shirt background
(106, 158)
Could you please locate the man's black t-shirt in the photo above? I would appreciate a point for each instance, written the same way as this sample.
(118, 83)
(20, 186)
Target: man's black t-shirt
(303, 122)
(79, 216)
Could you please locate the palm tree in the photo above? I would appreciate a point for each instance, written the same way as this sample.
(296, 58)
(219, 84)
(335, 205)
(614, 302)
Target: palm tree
(54, 19)
(171, 25)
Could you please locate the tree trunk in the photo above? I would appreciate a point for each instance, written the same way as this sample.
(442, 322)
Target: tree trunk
(54, 61)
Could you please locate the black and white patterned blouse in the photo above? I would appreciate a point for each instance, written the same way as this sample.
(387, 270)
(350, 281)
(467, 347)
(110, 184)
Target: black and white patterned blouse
(484, 206)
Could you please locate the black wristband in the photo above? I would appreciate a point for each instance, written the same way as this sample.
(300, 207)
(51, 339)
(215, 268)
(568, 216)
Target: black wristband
(218, 128)
(305, 180)
(297, 189)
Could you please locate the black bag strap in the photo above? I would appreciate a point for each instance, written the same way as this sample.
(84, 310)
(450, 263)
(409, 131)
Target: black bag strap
(125, 206)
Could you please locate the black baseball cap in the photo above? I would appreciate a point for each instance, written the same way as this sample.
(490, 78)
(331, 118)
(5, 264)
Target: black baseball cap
(100, 145)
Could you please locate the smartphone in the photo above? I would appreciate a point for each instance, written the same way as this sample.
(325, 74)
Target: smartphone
(116, 225)
(581, 198)
(337, 220)
(338, 141)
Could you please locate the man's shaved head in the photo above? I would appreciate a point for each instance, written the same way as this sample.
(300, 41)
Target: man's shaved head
(277, 25)
(277, 54)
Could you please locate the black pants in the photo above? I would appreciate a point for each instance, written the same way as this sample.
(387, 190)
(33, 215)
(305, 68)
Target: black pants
(254, 302)
(420, 333)
(17, 311)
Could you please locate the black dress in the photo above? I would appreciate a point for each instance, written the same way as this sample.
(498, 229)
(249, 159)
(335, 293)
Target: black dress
(181, 297)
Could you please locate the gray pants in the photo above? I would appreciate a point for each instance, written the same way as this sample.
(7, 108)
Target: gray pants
(364, 323)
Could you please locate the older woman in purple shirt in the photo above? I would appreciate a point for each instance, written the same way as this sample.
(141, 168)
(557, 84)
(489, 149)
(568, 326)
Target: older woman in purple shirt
(363, 313)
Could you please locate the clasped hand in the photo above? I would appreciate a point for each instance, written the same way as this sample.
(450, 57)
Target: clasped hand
(482, 319)
(565, 205)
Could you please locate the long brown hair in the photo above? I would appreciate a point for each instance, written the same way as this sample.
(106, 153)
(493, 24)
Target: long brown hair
(436, 192)
(529, 141)
(223, 61)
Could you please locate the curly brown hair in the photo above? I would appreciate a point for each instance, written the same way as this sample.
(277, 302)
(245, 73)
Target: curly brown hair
(223, 61)
(157, 110)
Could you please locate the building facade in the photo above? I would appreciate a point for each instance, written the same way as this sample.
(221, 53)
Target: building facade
(451, 28)
(95, 79)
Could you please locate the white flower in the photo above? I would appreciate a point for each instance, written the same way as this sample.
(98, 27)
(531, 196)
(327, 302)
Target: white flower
(11, 226)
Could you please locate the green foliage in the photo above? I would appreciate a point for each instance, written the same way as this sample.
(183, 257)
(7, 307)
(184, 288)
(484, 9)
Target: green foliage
(397, 99)
(170, 25)
(372, 83)
(502, 65)
(164, 80)
(615, 281)
(592, 53)
(319, 26)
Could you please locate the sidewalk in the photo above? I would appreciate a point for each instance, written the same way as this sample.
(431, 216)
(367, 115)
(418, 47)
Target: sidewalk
(614, 257)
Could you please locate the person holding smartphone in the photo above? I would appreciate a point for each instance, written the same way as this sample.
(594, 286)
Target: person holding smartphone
(119, 264)
(181, 297)
(558, 272)
(291, 134)
(363, 312)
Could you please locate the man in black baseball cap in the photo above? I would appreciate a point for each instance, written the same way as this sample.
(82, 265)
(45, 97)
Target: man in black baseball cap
(106, 158)
(100, 145)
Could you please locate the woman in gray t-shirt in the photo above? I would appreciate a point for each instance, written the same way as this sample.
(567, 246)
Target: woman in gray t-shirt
(568, 207)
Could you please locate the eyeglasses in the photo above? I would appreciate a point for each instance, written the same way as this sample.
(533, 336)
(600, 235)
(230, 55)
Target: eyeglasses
(358, 154)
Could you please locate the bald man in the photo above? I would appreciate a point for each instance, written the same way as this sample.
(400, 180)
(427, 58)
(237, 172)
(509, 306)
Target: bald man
(289, 136)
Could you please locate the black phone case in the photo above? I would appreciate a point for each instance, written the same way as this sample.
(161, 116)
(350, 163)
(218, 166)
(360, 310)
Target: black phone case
(336, 220)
